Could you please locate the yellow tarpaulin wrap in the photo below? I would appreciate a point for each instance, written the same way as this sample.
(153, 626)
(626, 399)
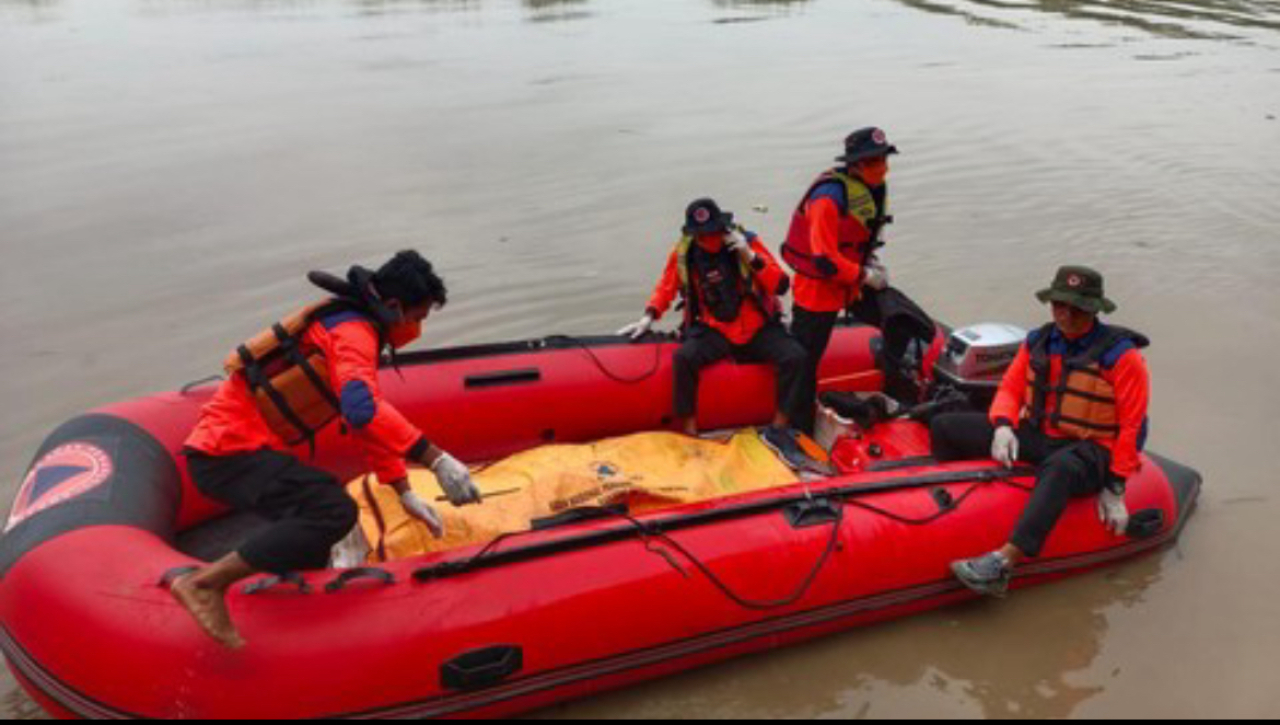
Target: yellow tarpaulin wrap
(648, 471)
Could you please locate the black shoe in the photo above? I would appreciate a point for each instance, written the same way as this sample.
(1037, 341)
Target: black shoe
(987, 575)
(783, 443)
(867, 412)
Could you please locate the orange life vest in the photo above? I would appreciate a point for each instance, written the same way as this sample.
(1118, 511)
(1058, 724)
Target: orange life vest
(289, 378)
(863, 216)
(1084, 402)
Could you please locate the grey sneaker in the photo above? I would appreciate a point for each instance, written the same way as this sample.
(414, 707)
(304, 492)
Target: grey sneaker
(783, 443)
(987, 575)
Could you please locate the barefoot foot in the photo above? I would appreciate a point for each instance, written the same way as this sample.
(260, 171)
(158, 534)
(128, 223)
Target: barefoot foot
(209, 608)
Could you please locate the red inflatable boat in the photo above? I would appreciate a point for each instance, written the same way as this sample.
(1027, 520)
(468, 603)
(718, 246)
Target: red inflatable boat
(596, 601)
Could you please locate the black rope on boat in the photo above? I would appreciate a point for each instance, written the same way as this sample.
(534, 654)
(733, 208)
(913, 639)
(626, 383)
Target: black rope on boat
(186, 389)
(647, 535)
(573, 342)
(832, 545)
(754, 605)
(1008, 481)
(955, 506)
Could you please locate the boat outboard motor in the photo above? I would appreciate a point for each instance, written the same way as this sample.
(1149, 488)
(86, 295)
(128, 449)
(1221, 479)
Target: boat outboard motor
(976, 358)
(906, 334)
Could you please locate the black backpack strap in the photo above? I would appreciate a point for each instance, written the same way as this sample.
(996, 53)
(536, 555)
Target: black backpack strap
(1040, 366)
(282, 405)
(293, 353)
(877, 225)
(258, 380)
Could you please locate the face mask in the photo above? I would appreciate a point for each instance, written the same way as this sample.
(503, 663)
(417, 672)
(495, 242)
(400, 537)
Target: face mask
(713, 243)
(404, 333)
(875, 173)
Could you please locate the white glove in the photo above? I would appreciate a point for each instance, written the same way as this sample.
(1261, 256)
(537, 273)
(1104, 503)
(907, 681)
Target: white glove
(637, 330)
(1005, 446)
(420, 510)
(456, 481)
(875, 276)
(737, 242)
(1113, 512)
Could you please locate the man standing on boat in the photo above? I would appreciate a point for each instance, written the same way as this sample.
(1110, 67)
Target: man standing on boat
(730, 285)
(832, 245)
(1073, 403)
(317, 367)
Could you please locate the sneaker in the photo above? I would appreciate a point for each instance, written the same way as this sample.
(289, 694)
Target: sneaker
(987, 575)
(783, 443)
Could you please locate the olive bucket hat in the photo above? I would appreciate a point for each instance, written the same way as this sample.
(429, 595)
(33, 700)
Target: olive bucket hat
(1079, 287)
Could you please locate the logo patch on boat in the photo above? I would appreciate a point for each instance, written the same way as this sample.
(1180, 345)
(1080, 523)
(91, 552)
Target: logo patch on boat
(65, 473)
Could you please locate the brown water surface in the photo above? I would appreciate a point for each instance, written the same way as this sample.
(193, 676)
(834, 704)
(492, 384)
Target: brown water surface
(170, 168)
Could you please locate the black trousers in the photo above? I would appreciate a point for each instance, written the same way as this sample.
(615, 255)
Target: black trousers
(309, 508)
(1066, 469)
(813, 331)
(900, 320)
(704, 346)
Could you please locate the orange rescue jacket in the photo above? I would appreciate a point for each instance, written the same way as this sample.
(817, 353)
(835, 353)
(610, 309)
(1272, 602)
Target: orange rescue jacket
(1098, 392)
(342, 348)
(766, 280)
(842, 231)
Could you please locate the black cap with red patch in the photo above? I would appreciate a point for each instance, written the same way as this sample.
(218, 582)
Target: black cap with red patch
(704, 217)
(866, 143)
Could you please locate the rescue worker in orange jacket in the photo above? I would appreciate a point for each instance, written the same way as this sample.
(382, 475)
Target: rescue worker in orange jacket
(730, 285)
(832, 243)
(316, 368)
(1074, 403)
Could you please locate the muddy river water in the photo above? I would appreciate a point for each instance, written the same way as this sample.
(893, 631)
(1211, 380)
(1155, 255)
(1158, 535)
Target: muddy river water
(170, 168)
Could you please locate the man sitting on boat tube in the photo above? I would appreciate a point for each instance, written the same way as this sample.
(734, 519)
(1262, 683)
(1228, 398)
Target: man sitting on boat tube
(730, 285)
(306, 372)
(1074, 403)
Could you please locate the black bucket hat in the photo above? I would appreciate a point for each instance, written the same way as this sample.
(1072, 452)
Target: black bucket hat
(866, 143)
(1080, 287)
(704, 217)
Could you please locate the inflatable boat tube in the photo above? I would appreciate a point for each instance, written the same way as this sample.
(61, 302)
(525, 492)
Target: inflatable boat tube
(593, 601)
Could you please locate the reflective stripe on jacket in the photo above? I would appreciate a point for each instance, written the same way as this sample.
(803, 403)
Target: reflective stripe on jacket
(834, 231)
(767, 283)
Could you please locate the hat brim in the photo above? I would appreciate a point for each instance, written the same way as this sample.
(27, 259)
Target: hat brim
(1095, 305)
(720, 224)
(852, 158)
